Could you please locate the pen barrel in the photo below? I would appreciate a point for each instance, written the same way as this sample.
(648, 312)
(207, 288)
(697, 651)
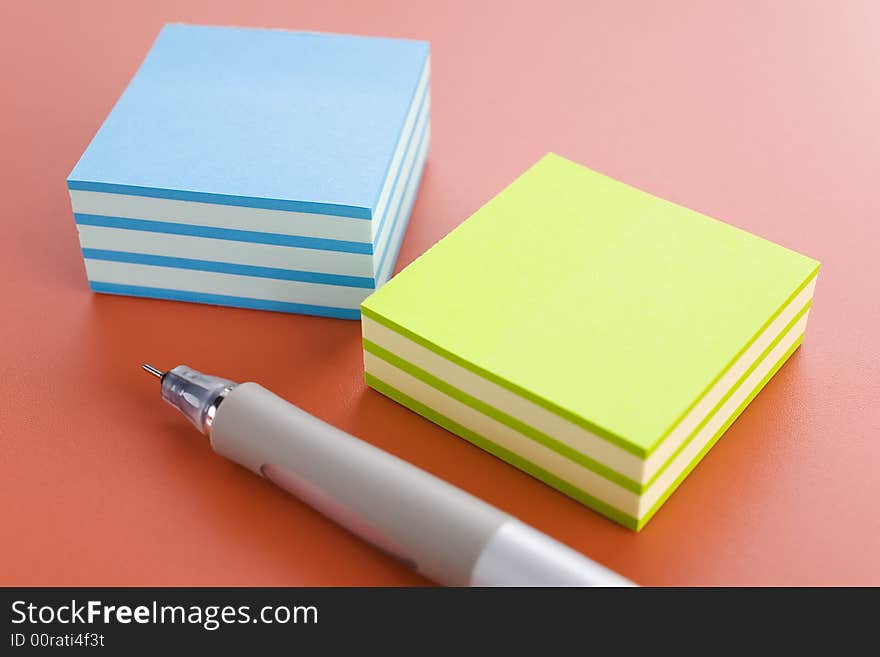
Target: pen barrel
(432, 526)
(446, 534)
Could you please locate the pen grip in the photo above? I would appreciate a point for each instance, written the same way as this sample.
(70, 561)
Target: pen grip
(434, 527)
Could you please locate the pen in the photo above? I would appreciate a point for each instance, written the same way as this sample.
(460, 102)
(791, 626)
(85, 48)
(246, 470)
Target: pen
(442, 532)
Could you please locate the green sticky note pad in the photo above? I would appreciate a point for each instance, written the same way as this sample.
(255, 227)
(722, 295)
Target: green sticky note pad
(595, 336)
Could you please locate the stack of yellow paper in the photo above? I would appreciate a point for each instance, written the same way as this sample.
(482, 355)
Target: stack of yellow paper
(594, 336)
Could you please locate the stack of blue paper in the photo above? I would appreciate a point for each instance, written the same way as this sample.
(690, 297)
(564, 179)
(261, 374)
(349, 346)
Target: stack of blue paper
(257, 168)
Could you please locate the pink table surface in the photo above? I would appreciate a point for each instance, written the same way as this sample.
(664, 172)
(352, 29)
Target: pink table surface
(763, 114)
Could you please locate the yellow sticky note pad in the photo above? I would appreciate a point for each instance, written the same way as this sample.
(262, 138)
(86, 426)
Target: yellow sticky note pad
(592, 335)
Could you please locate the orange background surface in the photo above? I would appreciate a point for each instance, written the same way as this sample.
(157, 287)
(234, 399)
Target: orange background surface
(763, 114)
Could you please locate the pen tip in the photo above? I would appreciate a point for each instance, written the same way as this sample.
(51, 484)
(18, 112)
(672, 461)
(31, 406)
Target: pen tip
(152, 370)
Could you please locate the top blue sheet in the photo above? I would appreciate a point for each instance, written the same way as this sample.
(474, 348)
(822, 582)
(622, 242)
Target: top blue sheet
(261, 118)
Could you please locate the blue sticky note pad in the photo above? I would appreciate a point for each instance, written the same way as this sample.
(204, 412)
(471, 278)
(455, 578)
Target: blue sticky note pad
(256, 167)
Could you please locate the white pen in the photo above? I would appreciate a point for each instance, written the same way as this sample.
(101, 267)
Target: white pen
(442, 532)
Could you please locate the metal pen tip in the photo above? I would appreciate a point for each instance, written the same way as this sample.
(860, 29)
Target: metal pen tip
(152, 370)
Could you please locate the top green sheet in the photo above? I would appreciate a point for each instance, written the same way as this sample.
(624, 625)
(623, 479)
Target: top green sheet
(607, 305)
